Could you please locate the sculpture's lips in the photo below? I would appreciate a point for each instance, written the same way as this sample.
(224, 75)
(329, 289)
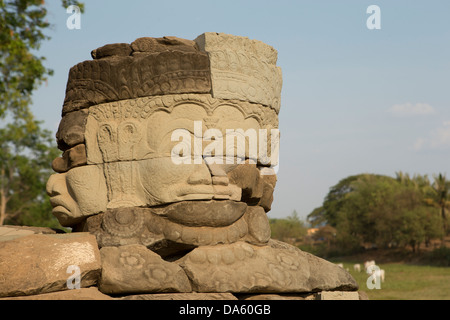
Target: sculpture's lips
(62, 213)
(196, 195)
(205, 192)
(58, 203)
(60, 209)
(199, 190)
(210, 213)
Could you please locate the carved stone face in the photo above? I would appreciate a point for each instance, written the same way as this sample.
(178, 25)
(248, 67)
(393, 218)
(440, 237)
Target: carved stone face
(78, 193)
(163, 142)
(130, 159)
(166, 155)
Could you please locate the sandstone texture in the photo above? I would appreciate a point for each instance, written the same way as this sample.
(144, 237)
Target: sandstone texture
(38, 263)
(338, 295)
(91, 293)
(135, 269)
(35, 267)
(242, 69)
(145, 74)
(71, 129)
(182, 296)
(278, 267)
(12, 232)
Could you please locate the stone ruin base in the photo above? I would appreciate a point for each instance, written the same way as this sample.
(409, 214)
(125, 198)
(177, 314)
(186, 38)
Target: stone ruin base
(92, 293)
(44, 264)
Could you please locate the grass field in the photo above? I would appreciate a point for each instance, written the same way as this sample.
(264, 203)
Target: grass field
(405, 281)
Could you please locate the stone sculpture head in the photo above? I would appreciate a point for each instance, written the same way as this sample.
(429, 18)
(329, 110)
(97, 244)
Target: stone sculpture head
(166, 137)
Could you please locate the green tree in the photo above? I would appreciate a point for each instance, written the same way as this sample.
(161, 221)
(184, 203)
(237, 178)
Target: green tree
(435, 194)
(22, 26)
(288, 229)
(317, 217)
(26, 150)
(440, 197)
(421, 182)
(371, 209)
(326, 233)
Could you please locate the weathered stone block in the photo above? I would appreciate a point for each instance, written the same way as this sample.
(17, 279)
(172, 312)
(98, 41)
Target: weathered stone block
(104, 80)
(274, 296)
(136, 269)
(242, 69)
(268, 185)
(71, 129)
(277, 267)
(204, 213)
(258, 225)
(247, 177)
(8, 233)
(109, 50)
(71, 158)
(168, 43)
(181, 296)
(152, 228)
(38, 263)
(140, 128)
(337, 295)
(91, 293)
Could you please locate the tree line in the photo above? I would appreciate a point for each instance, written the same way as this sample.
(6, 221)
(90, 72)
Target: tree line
(290, 229)
(385, 212)
(26, 149)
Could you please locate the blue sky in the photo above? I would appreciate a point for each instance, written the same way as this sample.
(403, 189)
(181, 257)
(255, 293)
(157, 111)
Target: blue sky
(354, 100)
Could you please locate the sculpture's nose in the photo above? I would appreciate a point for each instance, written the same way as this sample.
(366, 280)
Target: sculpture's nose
(219, 178)
(218, 172)
(56, 184)
(213, 173)
(200, 176)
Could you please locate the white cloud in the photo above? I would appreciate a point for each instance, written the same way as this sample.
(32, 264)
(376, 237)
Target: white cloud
(439, 138)
(420, 143)
(409, 109)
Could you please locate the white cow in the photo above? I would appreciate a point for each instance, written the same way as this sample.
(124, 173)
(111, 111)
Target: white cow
(368, 264)
(357, 267)
(376, 278)
(380, 274)
(340, 265)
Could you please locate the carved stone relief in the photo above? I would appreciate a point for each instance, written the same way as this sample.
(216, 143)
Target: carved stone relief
(163, 161)
(127, 77)
(77, 194)
(242, 69)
